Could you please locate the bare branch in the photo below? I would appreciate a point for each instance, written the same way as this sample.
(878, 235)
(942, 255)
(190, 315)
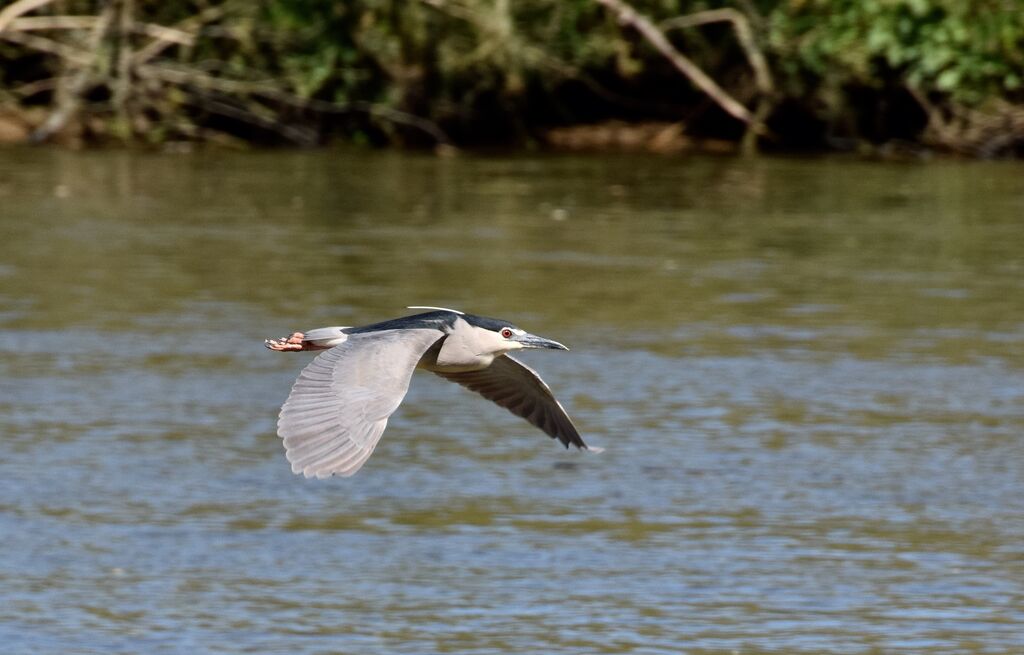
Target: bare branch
(180, 34)
(272, 92)
(35, 23)
(297, 135)
(199, 79)
(400, 117)
(985, 131)
(18, 8)
(138, 83)
(49, 46)
(69, 97)
(170, 35)
(744, 35)
(32, 88)
(627, 15)
(755, 57)
(453, 10)
(122, 85)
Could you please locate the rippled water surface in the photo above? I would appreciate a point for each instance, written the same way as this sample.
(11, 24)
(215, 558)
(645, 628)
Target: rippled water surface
(808, 375)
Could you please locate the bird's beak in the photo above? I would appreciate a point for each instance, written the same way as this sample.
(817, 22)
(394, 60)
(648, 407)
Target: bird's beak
(533, 341)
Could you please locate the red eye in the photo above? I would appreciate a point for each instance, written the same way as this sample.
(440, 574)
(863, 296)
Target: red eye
(507, 333)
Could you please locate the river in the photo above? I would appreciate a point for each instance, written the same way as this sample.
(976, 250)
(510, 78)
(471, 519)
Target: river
(808, 375)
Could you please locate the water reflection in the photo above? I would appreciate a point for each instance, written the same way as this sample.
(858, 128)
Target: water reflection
(807, 375)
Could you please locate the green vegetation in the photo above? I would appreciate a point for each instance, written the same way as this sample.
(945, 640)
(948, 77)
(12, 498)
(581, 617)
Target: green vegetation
(817, 73)
(960, 61)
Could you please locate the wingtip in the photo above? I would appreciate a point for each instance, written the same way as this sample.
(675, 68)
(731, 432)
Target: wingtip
(597, 450)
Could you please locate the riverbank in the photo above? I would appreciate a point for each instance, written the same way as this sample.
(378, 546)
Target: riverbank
(912, 75)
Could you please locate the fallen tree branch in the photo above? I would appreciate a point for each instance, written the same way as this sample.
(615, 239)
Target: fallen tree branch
(755, 57)
(744, 35)
(627, 15)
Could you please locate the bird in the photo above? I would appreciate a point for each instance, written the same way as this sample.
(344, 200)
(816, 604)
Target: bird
(339, 405)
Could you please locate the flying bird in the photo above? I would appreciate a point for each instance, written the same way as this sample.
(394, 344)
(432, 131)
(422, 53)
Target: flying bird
(340, 403)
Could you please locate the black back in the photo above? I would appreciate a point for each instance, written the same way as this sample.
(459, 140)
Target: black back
(436, 320)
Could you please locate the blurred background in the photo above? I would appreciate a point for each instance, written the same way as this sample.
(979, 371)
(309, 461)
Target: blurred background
(806, 368)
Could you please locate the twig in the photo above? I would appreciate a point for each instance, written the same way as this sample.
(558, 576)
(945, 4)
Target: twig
(18, 8)
(49, 46)
(387, 113)
(935, 120)
(744, 35)
(123, 82)
(232, 98)
(751, 13)
(453, 10)
(271, 92)
(170, 36)
(34, 23)
(299, 136)
(627, 15)
(199, 79)
(32, 88)
(163, 34)
(546, 59)
(980, 132)
(755, 57)
(68, 98)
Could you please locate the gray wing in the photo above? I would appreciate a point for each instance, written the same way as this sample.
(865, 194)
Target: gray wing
(340, 404)
(516, 387)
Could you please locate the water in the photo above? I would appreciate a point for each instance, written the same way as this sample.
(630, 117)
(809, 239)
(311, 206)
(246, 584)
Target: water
(807, 375)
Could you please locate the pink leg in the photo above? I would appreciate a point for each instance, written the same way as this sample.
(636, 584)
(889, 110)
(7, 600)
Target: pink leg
(289, 344)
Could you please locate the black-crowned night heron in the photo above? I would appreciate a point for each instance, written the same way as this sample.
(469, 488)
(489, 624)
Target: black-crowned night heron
(340, 404)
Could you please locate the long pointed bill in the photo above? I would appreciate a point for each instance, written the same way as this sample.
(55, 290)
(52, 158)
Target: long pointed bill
(533, 341)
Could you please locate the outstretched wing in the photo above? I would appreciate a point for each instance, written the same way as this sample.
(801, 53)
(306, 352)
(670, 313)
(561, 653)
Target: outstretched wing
(516, 387)
(340, 404)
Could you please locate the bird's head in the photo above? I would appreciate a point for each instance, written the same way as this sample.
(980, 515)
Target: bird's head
(513, 338)
(492, 336)
(502, 336)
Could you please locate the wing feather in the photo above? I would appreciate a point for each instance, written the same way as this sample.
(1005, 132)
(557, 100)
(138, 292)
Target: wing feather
(516, 387)
(340, 403)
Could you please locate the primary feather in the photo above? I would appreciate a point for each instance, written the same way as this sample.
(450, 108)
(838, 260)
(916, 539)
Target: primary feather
(340, 404)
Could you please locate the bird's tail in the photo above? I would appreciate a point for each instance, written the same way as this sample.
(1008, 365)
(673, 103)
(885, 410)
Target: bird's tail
(326, 337)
